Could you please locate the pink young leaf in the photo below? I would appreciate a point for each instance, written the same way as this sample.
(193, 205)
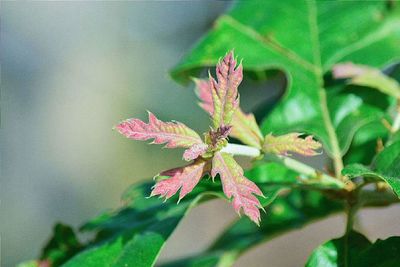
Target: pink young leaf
(205, 95)
(236, 186)
(283, 144)
(244, 126)
(245, 129)
(366, 76)
(184, 178)
(174, 134)
(348, 70)
(225, 97)
(195, 151)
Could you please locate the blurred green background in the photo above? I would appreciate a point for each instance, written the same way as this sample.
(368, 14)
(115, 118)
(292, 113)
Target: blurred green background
(69, 72)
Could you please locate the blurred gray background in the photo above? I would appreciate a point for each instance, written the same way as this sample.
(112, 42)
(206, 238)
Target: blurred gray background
(69, 72)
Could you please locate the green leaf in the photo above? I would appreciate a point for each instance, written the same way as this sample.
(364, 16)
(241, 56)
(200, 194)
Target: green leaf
(339, 252)
(134, 235)
(286, 213)
(387, 162)
(387, 168)
(137, 232)
(369, 77)
(62, 246)
(260, 36)
(355, 250)
(357, 170)
(383, 253)
(363, 147)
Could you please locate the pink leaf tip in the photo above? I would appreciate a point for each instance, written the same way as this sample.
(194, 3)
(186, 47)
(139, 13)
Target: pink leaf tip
(221, 98)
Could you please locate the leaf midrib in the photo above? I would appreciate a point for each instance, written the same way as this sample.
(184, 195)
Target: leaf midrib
(315, 67)
(314, 36)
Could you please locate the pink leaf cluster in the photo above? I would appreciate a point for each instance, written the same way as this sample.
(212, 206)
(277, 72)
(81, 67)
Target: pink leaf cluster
(221, 100)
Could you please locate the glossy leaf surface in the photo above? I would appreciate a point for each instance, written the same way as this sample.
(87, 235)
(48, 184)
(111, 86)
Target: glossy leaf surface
(386, 168)
(260, 36)
(355, 250)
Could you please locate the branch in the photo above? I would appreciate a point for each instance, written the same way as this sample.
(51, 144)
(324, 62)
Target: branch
(242, 150)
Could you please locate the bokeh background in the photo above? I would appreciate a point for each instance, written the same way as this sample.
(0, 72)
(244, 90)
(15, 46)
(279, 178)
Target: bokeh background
(69, 72)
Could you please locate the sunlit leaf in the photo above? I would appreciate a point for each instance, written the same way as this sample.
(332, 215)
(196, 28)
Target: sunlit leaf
(260, 36)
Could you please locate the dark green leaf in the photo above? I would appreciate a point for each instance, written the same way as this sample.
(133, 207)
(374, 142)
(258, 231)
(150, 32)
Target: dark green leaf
(62, 246)
(364, 145)
(284, 214)
(388, 161)
(339, 252)
(357, 170)
(134, 235)
(383, 253)
(387, 168)
(355, 250)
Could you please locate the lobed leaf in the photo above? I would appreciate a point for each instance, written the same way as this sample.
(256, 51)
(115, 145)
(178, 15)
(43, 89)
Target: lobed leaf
(173, 134)
(244, 126)
(204, 93)
(387, 168)
(195, 151)
(236, 186)
(245, 129)
(356, 250)
(135, 234)
(292, 142)
(260, 35)
(224, 90)
(184, 178)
